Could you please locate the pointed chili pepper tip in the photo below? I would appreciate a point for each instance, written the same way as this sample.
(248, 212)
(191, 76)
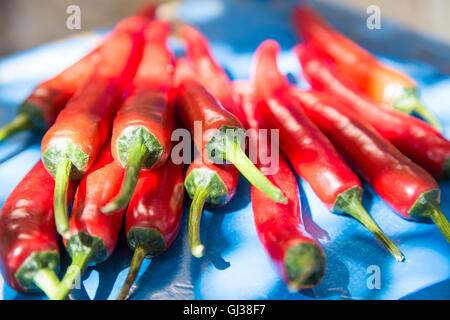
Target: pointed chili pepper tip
(305, 266)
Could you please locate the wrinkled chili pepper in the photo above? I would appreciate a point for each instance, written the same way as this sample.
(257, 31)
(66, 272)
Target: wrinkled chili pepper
(92, 234)
(144, 121)
(414, 138)
(221, 132)
(406, 187)
(40, 109)
(380, 82)
(298, 258)
(153, 217)
(70, 146)
(208, 72)
(29, 252)
(310, 152)
(213, 184)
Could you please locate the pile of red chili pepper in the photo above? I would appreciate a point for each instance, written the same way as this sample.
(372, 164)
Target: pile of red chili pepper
(108, 148)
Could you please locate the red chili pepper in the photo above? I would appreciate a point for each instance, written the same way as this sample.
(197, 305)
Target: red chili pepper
(380, 82)
(210, 183)
(414, 138)
(71, 145)
(40, 109)
(144, 122)
(208, 72)
(299, 259)
(310, 152)
(29, 252)
(406, 187)
(221, 132)
(93, 235)
(153, 217)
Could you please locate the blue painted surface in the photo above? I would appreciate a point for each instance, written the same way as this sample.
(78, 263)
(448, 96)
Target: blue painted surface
(235, 265)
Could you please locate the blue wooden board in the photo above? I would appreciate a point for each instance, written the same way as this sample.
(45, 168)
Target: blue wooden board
(235, 265)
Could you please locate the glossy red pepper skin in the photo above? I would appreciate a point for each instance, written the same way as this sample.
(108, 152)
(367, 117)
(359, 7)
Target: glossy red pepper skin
(195, 103)
(157, 205)
(92, 234)
(208, 72)
(281, 232)
(149, 104)
(310, 152)
(70, 146)
(414, 138)
(28, 238)
(394, 177)
(86, 120)
(97, 187)
(381, 83)
(153, 216)
(145, 120)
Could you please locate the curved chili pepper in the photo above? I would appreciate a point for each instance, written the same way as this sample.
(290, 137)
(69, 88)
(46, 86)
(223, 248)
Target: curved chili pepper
(221, 132)
(40, 109)
(153, 217)
(70, 146)
(93, 235)
(144, 121)
(299, 259)
(209, 183)
(310, 152)
(29, 252)
(406, 187)
(208, 72)
(380, 82)
(414, 138)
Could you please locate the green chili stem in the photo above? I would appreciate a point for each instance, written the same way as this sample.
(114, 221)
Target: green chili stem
(236, 155)
(357, 211)
(60, 197)
(138, 257)
(426, 114)
(440, 221)
(195, 213)
(47, 280)
(80, 260)
(20, 123)
(136, 156)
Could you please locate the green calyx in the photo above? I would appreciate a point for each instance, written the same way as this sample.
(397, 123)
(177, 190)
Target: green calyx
(149, 239)
(67, 150)
(225, 144)
(427, 206)
(408, 102)
(349, 202)
(142, 136)
(30, 268)
(34, 114)
(305, 266)
(209, 179)
(219, 142)
(137, 148)
(84, 242)
(203, 186)
(84, 249)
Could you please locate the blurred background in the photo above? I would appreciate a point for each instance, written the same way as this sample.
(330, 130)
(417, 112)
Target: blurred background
(27, 23)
